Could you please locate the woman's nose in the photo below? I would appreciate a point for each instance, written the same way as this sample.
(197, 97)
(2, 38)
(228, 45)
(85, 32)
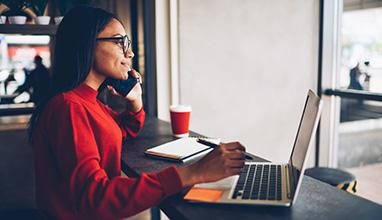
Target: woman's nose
(129, 54)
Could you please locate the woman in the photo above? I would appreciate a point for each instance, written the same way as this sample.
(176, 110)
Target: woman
(77, 140)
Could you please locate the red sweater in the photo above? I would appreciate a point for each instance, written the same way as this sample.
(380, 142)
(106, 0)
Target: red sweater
(77, 145)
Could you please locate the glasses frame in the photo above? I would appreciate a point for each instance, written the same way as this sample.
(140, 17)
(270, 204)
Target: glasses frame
(124, 41)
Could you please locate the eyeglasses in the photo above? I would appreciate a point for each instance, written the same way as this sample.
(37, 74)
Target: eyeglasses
(124, 41)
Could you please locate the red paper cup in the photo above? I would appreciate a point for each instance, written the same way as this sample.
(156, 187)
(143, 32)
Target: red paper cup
(180, 120)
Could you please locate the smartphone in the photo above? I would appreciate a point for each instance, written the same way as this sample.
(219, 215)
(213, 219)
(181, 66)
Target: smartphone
(123, 87)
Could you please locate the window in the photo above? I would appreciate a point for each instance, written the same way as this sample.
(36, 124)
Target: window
(351, 131)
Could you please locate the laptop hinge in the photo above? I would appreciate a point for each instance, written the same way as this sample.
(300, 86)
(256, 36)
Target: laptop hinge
(287, 180)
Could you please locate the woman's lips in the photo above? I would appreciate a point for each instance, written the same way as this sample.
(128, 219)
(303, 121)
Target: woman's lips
(126, 66)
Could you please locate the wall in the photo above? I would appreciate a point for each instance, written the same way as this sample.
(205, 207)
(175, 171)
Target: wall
(245, 67)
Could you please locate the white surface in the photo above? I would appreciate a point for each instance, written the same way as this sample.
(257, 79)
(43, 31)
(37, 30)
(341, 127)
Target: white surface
(180, 148)
(167, 43)
(180, 108)
(330, 61)
(245, 69)
(57, 20)
(28, 39)
(182, 135)
(369, 182)
(174, 41)
(44, 20)
(163, 58)
(225, 183)
(3, 19)
(17, 19)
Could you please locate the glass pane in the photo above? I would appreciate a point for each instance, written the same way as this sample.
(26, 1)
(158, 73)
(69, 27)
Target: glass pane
(361, 57)
(360, 145)
(24, 63)
(360, 129)
(360, 133)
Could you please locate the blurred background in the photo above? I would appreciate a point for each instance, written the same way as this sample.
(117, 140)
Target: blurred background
(244, 66)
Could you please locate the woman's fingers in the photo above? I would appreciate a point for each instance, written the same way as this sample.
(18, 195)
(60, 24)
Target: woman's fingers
(236, 155)
(136, 75)
(233, 146)
(112, 90)
(236, 164)
(225, 160)
(233, 150)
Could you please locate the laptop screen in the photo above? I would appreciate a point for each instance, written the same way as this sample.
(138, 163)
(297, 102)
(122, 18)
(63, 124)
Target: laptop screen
(306, 131)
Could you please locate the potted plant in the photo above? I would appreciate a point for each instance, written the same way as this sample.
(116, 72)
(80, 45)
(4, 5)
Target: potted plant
(62, 7)
(39, 7)
(17, 10)
(3, 8)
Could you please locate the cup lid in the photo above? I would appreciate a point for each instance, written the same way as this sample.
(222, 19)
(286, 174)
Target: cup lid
(180, 108)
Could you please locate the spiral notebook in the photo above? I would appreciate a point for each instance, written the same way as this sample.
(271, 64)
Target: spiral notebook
(181, 150)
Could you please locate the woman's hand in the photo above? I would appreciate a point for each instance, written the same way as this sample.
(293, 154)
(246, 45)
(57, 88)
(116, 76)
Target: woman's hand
(136, 92)
(224, 161)
(134, 97)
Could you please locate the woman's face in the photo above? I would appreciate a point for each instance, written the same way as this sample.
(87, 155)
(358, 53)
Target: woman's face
(110, 60)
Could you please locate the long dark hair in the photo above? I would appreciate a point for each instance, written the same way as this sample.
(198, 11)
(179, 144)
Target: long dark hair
(73, 52)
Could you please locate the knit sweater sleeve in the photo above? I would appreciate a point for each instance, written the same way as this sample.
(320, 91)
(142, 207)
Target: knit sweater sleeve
(91, 191)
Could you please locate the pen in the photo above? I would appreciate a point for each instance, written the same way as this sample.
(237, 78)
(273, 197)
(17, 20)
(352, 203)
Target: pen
(213, 145)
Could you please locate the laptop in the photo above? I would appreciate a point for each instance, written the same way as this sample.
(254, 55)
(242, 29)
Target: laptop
(262, 183)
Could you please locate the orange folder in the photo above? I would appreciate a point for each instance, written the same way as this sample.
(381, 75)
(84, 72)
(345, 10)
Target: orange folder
(203, 195)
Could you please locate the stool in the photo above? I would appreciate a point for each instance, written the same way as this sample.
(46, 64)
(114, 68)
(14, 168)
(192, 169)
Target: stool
(335, 177)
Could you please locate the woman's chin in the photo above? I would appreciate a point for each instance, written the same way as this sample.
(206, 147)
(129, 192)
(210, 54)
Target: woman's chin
(124, 76)
(120, 76)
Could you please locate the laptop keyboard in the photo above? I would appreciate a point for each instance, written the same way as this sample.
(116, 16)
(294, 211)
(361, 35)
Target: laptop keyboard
(259, 182)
